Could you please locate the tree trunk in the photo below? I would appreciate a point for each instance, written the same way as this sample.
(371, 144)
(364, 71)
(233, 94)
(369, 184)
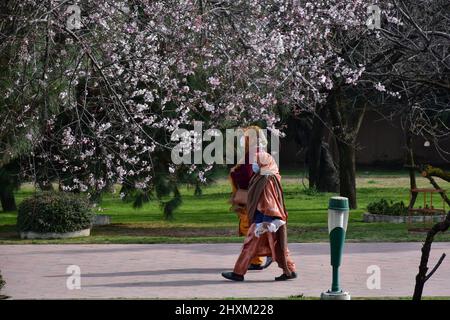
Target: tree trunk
(346, 117)
(410, 162)
(8, 200)
(347, 172)
(9, 181)
(323, 174)
(314, 153)
(422, 276)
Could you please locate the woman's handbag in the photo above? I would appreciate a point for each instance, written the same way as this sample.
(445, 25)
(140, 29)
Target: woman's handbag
(240, 197)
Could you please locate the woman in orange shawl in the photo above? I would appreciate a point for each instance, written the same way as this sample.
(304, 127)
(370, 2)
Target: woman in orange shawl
(239, 177)
(266, 209)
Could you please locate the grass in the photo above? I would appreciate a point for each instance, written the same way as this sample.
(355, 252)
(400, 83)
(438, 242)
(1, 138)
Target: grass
(207, 218)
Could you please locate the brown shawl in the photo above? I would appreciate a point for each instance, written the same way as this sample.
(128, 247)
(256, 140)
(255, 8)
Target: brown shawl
(275, 245)
(256, 187)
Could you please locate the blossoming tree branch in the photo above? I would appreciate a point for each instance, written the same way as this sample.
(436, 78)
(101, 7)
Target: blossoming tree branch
(92, 91)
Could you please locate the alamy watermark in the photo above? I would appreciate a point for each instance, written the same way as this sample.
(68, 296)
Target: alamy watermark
(73, 281)
(374, 19)
(237, 146)
(74, 17)
(373, 282)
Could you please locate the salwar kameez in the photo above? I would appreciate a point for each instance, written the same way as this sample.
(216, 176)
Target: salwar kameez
(240, 178)
(270, 245)
(266, 196)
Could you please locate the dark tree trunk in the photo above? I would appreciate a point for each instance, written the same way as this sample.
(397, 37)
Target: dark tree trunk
(323, 174)
(347, 172)
(411, 164)
(329, 176)
(9, 181)
(346, 117)
(314, 153)
(422, 277)
(8, 200)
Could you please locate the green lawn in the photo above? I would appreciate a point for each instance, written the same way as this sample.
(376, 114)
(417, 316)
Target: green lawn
(206, 218)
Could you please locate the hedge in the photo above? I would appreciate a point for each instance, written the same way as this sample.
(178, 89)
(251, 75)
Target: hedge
(387, 208)
(54, 212)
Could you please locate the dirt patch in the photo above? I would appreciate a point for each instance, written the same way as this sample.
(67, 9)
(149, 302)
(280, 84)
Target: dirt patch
(303, 230)
(122, 229)
(419, 230)
(9, 232)
(150, 231)
(147, 230)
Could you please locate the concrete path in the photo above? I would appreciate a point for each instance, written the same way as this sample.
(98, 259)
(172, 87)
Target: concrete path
(193, 270)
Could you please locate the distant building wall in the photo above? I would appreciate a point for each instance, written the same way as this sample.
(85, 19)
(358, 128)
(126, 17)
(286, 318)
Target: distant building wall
(380, 142)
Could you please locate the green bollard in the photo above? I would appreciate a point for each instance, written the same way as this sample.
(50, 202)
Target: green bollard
(338, 211)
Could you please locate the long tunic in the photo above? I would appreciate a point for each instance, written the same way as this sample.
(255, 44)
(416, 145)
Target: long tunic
(266, 190)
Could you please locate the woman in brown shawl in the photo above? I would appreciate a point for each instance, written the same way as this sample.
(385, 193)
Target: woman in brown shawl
(239, 177)
(266, 209)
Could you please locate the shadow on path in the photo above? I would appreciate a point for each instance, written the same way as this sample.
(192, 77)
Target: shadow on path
(178, 283)
(148, 273)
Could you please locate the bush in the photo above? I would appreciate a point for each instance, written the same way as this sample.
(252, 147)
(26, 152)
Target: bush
(54, 212)
(387, 208)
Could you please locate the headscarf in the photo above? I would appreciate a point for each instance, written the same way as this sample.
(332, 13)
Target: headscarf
(267, 164)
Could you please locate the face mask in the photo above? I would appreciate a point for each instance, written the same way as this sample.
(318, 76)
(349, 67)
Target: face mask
(255, 168)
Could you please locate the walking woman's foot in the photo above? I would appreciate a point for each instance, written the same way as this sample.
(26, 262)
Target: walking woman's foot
(232, 276)
(269, 261)
(285, 277)
(255, 267)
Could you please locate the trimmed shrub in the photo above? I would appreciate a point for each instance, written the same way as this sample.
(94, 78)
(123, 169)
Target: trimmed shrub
(54, 212)
(387, 208)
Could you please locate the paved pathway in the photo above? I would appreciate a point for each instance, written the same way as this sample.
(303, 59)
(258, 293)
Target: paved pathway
(193, 270)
